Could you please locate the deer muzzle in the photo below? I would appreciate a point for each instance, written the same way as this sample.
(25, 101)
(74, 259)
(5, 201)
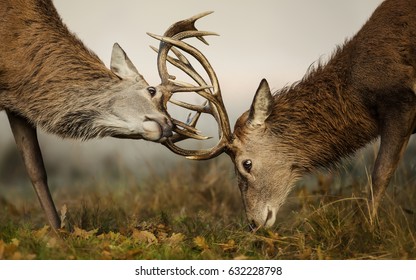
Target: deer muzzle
(157, 128)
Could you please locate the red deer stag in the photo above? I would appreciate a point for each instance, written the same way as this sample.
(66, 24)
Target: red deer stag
(49, 79)
(365, 90)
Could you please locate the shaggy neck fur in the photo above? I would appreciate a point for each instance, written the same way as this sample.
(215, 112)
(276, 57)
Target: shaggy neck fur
(323, 118)
(47, 75)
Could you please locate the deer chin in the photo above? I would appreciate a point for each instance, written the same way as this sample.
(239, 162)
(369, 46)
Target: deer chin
(148, 130)
(151, 128)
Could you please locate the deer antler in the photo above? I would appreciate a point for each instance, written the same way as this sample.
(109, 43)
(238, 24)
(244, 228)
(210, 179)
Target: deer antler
(172, 40)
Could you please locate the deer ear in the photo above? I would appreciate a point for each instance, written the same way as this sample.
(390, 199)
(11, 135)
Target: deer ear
(122, 66)
(261, 107)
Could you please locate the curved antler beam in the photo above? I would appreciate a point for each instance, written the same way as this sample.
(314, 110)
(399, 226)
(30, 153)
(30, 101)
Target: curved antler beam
(172, 40)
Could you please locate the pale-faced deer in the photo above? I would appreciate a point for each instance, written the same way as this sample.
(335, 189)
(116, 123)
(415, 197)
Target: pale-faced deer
(49, 79)
(366, 90)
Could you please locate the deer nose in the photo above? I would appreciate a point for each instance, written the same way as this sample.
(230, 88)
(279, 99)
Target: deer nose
(271, 217)
(167, 127)
(164, 123)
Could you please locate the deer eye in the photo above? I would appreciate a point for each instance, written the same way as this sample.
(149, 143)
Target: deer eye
(152, 91)
(247, 164)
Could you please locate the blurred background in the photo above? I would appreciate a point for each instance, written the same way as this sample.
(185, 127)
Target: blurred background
(277, 40)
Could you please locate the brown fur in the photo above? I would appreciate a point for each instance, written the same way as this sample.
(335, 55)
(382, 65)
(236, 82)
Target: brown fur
(336, 108)
(49, 79)
(46, 73)
(365, 90)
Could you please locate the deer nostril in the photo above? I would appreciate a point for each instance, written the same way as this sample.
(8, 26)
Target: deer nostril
(269, 215)
(167, 132)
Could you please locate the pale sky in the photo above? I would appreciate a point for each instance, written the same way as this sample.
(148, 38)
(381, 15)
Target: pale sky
(274, 39)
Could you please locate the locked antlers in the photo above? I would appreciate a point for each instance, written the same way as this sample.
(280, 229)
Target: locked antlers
(172, 41)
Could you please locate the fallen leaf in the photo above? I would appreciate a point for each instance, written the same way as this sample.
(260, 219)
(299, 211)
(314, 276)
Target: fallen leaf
(162, 236)
(8, 249)
(161, 227)
(241, 257)
(175, 239)
(111, 236)
(229, 246)
(15, 242)
(20, 256)
(144, 236)
(78, 232)
(131, 253)
(320, 254)
(273, 235)
(41, 233)
(201, 243)
(52, 242)
(106, 255)
(16, 256)
(63, 215)
(2, 248)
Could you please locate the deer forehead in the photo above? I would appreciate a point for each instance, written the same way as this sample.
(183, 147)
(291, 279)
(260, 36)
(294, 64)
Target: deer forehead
(249, 143)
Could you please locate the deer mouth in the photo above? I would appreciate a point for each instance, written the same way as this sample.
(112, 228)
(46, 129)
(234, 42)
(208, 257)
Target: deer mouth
(150, 129)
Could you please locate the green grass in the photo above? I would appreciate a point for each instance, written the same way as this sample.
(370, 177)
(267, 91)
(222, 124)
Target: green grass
(193, 211)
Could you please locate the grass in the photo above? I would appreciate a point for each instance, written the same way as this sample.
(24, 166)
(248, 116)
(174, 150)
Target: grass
(193, 211)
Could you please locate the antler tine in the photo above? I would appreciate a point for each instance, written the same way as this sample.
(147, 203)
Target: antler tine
(176, 41)
(172, 41)
(181, 62)
(196, 108)
(186, 25)
(191, 123)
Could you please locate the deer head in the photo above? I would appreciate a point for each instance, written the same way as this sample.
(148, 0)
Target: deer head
(147, 119)
(262, 191)
(264, 164)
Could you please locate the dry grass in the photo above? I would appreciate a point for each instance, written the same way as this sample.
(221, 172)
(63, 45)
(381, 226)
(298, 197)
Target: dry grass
(194, 211)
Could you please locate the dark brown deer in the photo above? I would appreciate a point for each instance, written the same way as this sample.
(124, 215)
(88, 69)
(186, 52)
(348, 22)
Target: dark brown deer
(366, 90)
(49, 79)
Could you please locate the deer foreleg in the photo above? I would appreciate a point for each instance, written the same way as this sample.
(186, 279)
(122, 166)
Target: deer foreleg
(28, 146)
(396, 130)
